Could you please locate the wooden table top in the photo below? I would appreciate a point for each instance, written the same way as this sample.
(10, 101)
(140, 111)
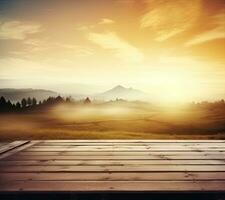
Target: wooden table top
(113, 165)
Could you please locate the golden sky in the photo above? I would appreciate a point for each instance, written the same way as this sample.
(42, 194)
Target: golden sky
(171, 49)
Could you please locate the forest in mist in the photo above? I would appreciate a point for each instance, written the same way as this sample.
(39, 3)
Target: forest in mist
(66, 118)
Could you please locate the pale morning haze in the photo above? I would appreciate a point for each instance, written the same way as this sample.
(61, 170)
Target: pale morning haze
(172, 50)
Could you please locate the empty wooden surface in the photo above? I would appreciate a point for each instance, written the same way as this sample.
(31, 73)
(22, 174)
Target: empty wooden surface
(113, 165)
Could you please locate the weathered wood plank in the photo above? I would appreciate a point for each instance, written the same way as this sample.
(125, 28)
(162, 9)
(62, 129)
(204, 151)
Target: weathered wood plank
(116, 176)
(126, 149)
(213, 145)
(109, 162)
(17, 149)
(64, 144)
(125, 168)
(11, 145)
(119, 153)
(150, 157)
(138, 141)
(81, 186)
(152, 148)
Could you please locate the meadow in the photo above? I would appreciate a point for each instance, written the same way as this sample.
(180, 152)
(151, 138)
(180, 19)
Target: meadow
(114, 120)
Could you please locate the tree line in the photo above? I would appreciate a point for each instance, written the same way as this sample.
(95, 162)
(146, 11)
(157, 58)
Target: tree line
(29, 103)
(205, 105)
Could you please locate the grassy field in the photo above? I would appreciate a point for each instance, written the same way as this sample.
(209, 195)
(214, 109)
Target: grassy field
(114, 121)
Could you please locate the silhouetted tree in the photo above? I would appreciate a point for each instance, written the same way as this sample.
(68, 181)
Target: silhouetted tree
(50, 100)
(29, 101)
(59, 99)
(9, 106)
(2, 101)
(18, 106)
(87, 101)
(24, 103)
(13, 107)
(34, 102)
(3, 104)
(68, 99)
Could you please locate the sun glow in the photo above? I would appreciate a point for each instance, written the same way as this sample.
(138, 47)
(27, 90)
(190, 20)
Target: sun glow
(175, 85)
(171, 50)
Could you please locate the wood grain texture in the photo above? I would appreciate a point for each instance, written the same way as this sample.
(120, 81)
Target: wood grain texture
(116, 176)
(138, 141)
(114, 165)
(110, 186)
(108, 162)
(118, 157)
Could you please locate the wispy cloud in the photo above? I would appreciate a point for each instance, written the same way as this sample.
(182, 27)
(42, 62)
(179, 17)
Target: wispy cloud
(88, 27)
(17, 30)
(120, 48)
(168, 18)
(17, 67)
(83, 28)
(217, 32)
(36, 45)
(78, 50)
(106, 21)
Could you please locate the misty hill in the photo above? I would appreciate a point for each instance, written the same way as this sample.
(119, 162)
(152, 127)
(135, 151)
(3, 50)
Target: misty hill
(17, 94)
(120, 92)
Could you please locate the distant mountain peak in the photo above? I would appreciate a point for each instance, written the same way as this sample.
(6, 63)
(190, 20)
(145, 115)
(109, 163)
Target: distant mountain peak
(120, 91)
(119, 87)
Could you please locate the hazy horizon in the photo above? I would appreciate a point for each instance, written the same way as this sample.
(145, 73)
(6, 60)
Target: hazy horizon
(91, 46)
